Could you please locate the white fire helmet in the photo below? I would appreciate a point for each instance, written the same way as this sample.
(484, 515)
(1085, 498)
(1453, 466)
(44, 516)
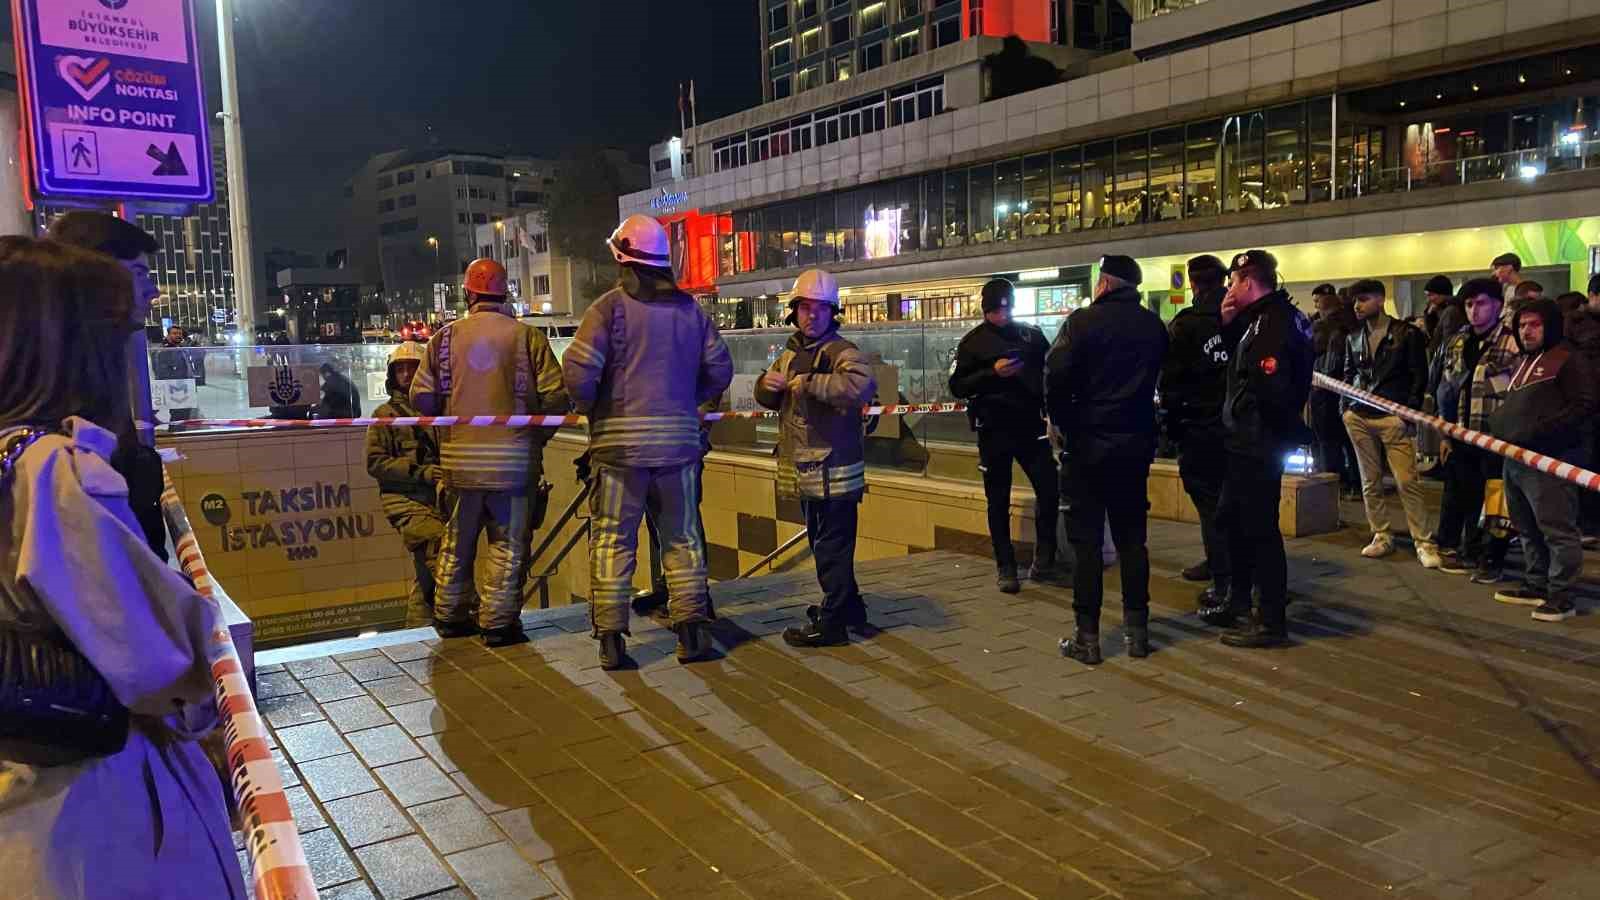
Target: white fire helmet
(641, 240)
(407, 351)
(815, 284)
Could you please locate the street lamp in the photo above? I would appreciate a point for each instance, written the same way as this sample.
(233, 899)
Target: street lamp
(434, 243)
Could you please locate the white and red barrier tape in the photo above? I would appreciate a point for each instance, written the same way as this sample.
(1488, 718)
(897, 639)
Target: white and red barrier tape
(1547, 464)
(897, 409)
(277, 859)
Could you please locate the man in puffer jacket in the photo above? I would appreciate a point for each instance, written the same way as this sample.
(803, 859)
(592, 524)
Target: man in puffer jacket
(1547, 406)
(819, 385)
(644, 358)
(405, 462)
(487, 364)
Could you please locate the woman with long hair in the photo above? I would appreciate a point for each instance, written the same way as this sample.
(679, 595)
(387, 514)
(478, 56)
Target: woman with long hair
(104, 682)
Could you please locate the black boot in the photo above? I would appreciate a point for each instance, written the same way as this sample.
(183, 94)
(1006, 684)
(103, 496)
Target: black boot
(449, 630)
(1219, 612)
(1257, 635)
(1007, 580)
(854, 616)
(648, 603)
(1200, 571)
(694, 641)
(1045, 565)
(1137, 639)
(816, 634)
(507, 636)
(613, 651)
(1084, 646)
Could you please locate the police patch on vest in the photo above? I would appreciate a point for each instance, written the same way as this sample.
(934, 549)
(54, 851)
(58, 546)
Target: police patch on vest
(1269, 366)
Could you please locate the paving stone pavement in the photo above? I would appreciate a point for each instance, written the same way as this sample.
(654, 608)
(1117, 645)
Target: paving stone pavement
(1418, 740)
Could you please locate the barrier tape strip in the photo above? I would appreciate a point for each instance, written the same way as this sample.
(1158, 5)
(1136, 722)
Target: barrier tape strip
(278, 863)
(1547, 464)
(896, 409)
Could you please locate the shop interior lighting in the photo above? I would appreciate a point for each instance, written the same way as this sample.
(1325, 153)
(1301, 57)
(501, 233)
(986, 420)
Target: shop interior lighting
(1529, 171)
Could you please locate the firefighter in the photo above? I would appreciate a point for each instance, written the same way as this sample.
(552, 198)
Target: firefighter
(487, 364)
(999, 371)
(819, 385)
(405, 462)
(644, 358)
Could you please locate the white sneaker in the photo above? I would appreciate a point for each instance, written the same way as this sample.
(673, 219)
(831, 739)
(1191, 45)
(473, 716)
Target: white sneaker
(1428, 555)
(1382, 545)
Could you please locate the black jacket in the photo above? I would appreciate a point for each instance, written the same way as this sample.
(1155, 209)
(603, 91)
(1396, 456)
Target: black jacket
(1194, 378)
(1443, 323)
(1552, 394)
(992, 401)
(1269, 379)
(1397, 369)
(1328, 342)
(1100, 379)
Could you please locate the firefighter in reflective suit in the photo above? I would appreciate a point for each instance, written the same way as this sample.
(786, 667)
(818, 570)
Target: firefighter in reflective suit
(819, 385)
(644, 359)
(487, 364)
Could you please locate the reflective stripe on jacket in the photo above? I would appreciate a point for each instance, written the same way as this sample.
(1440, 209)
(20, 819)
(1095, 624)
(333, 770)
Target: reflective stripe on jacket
(821, 437)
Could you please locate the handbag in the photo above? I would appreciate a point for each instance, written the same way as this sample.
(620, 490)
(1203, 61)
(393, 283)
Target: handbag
(51, 696)
(1496, 511)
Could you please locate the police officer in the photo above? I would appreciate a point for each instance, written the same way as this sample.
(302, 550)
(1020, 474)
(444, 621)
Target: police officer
(644, 358)
(1194, 380)
(1100, 382)
(999, 371)
(819, 385)
(487, 364)
(1269, 379)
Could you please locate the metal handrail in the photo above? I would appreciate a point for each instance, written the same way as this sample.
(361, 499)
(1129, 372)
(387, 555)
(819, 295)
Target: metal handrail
(541, 581)
(770, 557)
(543, 578)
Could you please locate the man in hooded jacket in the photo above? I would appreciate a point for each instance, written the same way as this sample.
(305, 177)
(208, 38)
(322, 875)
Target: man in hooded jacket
(405, 463)
(1547, 408)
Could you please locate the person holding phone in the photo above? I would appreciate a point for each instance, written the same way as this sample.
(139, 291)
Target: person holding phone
(999, 371)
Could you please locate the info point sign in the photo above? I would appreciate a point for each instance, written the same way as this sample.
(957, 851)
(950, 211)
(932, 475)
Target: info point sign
(115, 103)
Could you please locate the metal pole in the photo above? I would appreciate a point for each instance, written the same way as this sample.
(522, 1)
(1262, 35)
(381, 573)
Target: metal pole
(244, 267)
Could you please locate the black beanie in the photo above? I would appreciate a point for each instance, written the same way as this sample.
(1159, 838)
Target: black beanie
(997, 293)
(1439, 284)
(1122, 267)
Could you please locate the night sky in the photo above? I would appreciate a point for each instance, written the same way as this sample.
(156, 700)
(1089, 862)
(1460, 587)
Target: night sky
(326, 83)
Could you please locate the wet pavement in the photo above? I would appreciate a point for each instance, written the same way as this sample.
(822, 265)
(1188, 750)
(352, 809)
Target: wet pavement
(1418, 740)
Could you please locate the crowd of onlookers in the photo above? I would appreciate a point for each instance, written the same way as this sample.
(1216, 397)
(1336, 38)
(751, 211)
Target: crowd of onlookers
(1496, 356)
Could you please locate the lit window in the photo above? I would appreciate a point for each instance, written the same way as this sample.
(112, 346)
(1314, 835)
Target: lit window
(839, 68)
(906, 45)
(806, 79)
(779, 53)
(811, 41)
(871, 17)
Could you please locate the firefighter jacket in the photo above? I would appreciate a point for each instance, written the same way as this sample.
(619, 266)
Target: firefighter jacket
(821, 438)
(640, 369)
(489, 364)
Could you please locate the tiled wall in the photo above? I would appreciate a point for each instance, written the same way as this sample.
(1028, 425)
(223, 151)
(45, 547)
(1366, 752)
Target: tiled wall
(358, 582)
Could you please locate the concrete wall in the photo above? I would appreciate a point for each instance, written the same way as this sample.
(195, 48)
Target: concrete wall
(329, 580)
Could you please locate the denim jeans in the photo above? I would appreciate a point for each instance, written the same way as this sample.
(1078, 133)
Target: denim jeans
(1544, 510)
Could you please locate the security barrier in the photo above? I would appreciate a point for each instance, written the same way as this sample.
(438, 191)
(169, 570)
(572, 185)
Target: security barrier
(897, 409)
(1547, 464)
(278, 862)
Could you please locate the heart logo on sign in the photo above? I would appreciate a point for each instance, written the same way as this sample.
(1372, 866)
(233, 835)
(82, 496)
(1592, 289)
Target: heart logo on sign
(87, 75)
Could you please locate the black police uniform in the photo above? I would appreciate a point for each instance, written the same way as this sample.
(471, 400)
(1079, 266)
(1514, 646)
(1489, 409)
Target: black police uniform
(1194, 381)
(1269, 381)
(1100, 385)
(1008, 414)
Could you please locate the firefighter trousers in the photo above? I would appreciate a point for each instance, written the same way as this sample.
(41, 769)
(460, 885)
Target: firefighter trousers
(616, 505)
(504, 519)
